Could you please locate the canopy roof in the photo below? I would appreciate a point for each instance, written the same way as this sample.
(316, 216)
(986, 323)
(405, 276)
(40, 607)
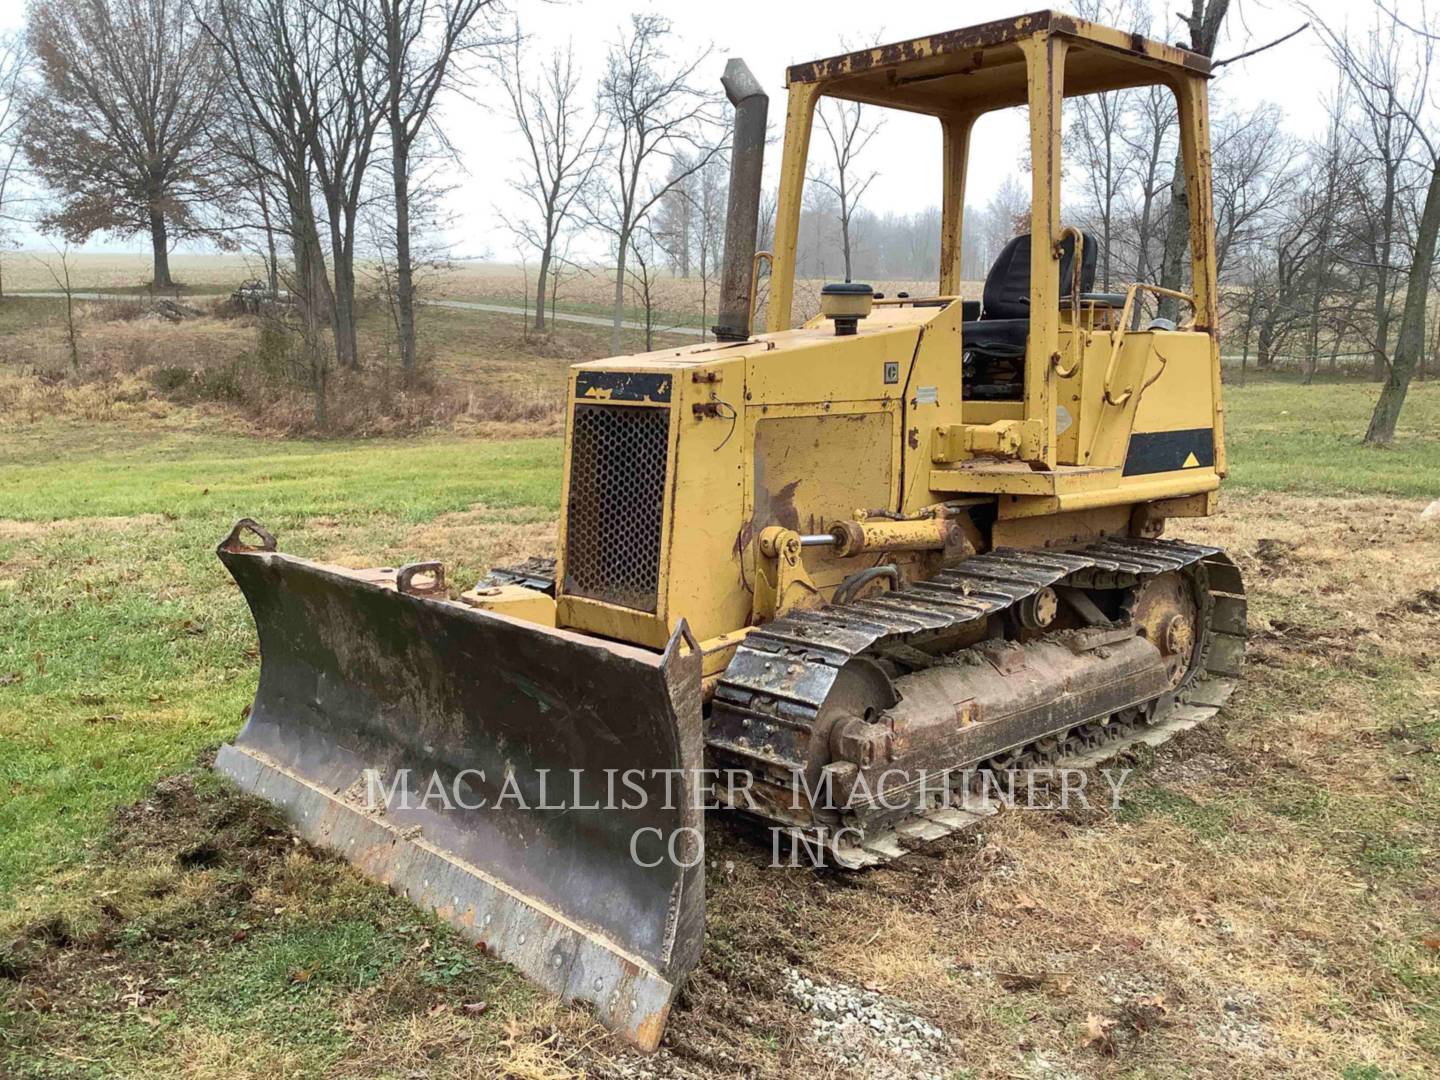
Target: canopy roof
(982, 67)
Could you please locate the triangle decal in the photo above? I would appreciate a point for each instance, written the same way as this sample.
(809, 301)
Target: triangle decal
(1191, 461)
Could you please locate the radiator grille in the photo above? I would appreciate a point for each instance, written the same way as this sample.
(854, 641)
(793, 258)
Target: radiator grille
(618, 456)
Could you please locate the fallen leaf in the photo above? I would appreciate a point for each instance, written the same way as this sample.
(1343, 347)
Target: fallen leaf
(1431, 943)
(476, 1007)
(1097, 1034)
(301, 975)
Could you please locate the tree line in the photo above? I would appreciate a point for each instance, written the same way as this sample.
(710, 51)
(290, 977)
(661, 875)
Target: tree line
(309, 130)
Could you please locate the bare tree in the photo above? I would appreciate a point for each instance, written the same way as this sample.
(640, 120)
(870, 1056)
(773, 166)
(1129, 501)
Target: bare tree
(675, 217)
(15, 64)
(268, 48)
(848, 131)
(1331, 159)
(643, 266)
(347, 89)
(1009, 215)
(655, 113)
(1150, 158)
(1400, 80)
(562, 147)
(1096, 138)
(64, 282)
(419, 42)
(1251, 172)
(119, 125)
(314, 82)
(711, 195)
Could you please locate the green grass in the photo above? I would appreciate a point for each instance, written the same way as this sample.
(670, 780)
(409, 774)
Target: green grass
(127, 652)
(1209, 821)
(127, 649)
(1284, 436)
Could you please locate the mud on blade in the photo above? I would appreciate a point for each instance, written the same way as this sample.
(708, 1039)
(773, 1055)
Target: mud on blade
(527, 781)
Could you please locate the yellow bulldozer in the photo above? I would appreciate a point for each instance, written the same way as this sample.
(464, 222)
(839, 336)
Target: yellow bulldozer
(801, 573)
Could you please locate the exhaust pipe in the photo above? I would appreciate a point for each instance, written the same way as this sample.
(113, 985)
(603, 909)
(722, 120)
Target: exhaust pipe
(742, 218)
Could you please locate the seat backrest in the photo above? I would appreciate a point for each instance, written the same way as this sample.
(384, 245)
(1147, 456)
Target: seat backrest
(1007, 286)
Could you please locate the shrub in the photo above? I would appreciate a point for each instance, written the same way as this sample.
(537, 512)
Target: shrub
(172, 380)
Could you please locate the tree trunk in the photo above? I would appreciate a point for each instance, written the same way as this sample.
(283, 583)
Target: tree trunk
(272, 267)
(343, 315)
(160, 243)
(1177, 236)
(619, 314)
(1204, 22)
(1411, 341)
(342, 308)
(1380, 359)
(404, 270)
(1245, 343)
(1264, 345)
(540, 288)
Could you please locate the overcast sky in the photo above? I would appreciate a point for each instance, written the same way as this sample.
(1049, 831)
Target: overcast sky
(771, 35)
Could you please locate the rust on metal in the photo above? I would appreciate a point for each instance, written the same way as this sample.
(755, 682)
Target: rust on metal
(975, 40)
(370, 694)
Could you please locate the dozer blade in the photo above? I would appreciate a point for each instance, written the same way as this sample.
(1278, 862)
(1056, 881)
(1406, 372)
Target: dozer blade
(536, 788)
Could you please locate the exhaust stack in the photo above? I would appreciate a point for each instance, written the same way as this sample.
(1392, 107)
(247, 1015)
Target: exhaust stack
(742, 218)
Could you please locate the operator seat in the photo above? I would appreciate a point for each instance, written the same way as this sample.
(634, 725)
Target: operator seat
(994, 343)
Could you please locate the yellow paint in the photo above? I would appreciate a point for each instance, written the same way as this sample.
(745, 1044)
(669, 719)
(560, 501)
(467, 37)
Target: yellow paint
(514, 600)
(799, 428)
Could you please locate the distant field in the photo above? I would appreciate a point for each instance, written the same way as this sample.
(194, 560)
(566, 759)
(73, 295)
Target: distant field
(34, 271)
(676, 301)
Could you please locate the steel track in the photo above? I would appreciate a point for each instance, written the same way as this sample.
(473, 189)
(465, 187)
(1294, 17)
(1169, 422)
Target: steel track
(775, 687)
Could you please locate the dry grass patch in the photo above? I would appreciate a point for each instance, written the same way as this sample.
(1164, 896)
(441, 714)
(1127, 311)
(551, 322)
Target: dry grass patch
(676, 300)
(1257, 906)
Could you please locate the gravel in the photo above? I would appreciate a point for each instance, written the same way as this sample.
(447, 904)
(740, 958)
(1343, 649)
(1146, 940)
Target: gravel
(864, 1028)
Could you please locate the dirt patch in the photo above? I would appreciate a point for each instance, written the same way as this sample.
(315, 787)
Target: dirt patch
(482, 536)
(199, 932)
(37, 530)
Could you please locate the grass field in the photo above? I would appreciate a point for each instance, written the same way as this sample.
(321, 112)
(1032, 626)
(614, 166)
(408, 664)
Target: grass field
(1263, 903)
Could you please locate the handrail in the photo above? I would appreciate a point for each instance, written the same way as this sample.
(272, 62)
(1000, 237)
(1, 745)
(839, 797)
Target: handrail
(1125, 314)
(755, 280)
(1077, 265)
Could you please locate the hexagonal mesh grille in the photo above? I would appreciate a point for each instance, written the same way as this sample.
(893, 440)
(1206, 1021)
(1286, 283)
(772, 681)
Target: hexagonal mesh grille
(618, 456)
